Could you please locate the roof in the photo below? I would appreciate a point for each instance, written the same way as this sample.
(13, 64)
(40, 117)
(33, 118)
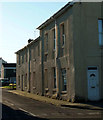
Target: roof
(9, 64)
(2, 59)
(33, 41)
(52, 18)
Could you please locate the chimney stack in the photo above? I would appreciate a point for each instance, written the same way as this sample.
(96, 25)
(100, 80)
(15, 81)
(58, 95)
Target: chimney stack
(29, 41)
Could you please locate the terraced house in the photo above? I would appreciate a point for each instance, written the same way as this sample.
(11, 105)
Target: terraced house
(29, 67)
(71, 54)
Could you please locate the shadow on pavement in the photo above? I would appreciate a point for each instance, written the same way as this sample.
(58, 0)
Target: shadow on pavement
(94, 105)
(11, 114)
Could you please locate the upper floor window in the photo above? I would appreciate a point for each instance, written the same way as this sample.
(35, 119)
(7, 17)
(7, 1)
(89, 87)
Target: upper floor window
(26, 56)
(30, 54)
(100, 30)
(45, 57)
(62, 34)
(19, 59)
(34, 53)
(54, 39)
(22, 58)
(46, 42)
(38, 50)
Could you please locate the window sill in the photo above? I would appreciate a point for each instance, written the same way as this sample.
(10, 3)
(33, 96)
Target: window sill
(46, 53)
(54, 90)
(34, 88)
(64, 92)
(46, 89)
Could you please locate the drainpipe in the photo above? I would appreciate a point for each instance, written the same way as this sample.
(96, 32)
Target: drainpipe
(28, 67)
(42, 62)
(56, 59)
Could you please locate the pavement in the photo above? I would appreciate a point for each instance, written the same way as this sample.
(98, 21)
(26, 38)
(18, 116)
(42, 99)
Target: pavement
(88, 105)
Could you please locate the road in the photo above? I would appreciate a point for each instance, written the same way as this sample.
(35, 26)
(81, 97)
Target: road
(16, 107)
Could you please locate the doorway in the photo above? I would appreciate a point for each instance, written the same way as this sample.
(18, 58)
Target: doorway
(93, 84)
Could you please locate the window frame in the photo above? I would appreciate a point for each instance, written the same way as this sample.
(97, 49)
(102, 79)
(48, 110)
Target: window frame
(100, 32)
(62, 34)
(46, 42)
(54, 74)
(64, 79)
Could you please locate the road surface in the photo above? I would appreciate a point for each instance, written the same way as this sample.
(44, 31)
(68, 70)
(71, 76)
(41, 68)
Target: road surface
(16, 107)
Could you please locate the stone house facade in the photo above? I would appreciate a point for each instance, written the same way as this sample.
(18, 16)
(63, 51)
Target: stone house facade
(29, 67)
(71, 54)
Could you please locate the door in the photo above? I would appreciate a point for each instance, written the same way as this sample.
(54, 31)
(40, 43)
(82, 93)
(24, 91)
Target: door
(93, 84)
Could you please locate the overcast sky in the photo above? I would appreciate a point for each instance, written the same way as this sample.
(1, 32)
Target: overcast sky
(18, 23)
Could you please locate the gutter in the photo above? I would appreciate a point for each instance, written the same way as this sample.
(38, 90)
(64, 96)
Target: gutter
(57, 14)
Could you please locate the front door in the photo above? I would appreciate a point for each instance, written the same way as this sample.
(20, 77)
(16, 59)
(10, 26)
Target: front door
(93, 84)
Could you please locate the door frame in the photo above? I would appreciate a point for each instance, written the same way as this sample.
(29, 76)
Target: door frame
(98, 81)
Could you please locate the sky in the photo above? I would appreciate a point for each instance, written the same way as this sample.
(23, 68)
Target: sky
(18, 23)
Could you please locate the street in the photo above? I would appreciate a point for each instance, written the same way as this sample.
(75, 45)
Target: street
(21, 108)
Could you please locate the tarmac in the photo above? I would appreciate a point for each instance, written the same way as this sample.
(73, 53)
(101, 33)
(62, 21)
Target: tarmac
(86, 105)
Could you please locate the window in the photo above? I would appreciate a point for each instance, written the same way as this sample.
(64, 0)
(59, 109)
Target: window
(26, 55)
(46, 40)
(22, 58)
(19, 59)
(46, 78)
(34, 55)
(45, 57)
(38, 50)
(100, 30)
(54, 78)
(18, 80)
(22, 82)
(64, 81)
(30, 54)
(62, 34)
(25, 80)
(54, 39)
(34, 80)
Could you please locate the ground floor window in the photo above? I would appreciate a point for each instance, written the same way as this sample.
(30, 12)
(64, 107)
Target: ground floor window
(22, 83)
(34, 80)
(18, 80)
(54, 70)
(64, 80)
(46, 78)
(25, 80)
